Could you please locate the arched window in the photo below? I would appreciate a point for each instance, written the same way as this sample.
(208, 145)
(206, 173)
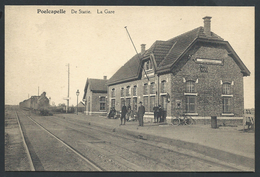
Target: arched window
(122, 92)
(113, 93)
(190, 86)
(145, 89)
(135, 91)
(226, 88)
(128, 91)
(113, 103)
(163, 87)
(152, 88)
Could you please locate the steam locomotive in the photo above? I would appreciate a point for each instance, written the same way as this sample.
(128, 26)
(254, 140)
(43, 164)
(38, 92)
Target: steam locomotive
(37, 104)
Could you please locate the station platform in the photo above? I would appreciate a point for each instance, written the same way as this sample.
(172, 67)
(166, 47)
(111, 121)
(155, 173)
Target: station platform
(229, 143)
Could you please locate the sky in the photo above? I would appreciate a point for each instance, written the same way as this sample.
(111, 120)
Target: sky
(39, 46)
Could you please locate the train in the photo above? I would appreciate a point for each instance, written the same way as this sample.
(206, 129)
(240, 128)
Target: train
(37, 104)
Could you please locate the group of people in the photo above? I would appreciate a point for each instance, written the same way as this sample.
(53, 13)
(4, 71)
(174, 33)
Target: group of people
(112, 113)
(126, 111)
(158, 114)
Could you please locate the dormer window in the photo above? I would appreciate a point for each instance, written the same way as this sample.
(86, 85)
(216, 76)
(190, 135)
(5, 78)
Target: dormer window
(148, 65)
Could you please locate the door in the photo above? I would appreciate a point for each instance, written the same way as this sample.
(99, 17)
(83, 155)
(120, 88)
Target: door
(164, 106)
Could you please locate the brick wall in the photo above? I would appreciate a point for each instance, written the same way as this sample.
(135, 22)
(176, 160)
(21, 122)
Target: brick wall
(96, 102)
(93, 104)
(209, 88)
(140, 97)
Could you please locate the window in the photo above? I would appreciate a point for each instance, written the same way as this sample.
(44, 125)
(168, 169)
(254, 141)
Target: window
(135, 103)
(135, 91)
(147, 65)
(113, 101)
(152, 88)
(146, 89)
(113, 93)
(164, 102)
(122, 102)
(227, 105)
(151, 65)
(190, 86)
(163, 87)
(128, 101)
(146, 102)
(102, 98)
(152, 103)
(128, 91)
(226, 88)
(190, 104)
(122, 92)
(102, 101)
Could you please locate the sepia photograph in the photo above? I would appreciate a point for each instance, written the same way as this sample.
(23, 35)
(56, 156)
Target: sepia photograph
(129, 88)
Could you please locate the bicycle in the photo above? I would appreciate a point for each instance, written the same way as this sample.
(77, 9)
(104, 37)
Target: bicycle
(183, 120)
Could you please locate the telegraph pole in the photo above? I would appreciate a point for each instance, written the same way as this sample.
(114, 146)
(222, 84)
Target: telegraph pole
(68, 88)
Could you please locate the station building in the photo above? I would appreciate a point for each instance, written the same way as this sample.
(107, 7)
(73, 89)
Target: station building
(95, 96)
(80, 107)
(196, 73)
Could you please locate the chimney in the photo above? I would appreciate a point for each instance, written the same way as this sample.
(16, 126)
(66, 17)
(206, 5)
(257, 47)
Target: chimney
(142, 49)
(105, 77)
(207, 25)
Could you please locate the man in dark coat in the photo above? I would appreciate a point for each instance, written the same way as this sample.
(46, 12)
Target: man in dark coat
(128, 114)
(160, 114)
(141, 111)
(156, 113)
(123, 113)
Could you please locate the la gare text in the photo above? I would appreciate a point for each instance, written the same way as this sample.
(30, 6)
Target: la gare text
(80, 11)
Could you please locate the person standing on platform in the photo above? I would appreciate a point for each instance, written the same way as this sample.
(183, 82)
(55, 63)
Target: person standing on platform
(141, 111)
(128, 112)
(156, 113)
(160, 114)
(123, 113)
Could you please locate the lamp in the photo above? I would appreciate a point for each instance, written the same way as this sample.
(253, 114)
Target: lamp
(77, 93)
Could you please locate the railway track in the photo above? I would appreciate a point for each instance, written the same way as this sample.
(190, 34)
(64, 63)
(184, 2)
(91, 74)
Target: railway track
(173, 159)
(32, 158)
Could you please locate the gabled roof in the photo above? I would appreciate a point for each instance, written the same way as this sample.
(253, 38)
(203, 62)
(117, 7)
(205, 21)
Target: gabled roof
(166, 53)
(81, 105)
(95, 85)
(129, 71)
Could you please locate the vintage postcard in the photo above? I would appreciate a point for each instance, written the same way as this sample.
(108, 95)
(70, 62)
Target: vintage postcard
(129, 88)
